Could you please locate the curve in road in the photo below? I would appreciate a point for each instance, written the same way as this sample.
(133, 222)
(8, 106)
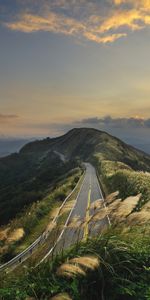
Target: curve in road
(90, 185)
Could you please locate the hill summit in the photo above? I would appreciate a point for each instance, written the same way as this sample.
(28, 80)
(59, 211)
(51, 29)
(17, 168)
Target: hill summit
(27, 176)
(86, 143)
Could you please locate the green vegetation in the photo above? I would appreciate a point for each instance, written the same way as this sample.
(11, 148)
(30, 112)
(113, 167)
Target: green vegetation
(36, 217)
(123, 272)
(35, 181)
(85, 143)
(26, 178)
(119, 176)
(113, 265)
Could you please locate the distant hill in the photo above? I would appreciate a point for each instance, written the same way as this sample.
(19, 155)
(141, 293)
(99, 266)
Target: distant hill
(144, 147)
(25, 176)
(8, 146)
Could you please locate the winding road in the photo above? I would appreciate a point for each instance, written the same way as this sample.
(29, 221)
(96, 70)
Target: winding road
(89, 192)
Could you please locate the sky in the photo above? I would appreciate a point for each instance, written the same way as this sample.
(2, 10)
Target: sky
(72, 63)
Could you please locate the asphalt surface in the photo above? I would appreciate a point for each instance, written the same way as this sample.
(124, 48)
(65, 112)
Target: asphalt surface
(90, 186)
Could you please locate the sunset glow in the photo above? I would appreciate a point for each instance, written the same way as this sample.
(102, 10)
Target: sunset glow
(66, 61)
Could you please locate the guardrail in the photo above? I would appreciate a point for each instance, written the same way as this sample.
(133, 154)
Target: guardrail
(69, 216)
(21, 257)
(66, 223)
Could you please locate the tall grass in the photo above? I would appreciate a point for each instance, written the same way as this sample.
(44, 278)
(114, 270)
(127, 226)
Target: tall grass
(114, 265)
(119, 176)
(34, 220)
(123, 272)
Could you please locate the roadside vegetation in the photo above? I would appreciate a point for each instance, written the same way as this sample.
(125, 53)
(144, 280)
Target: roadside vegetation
(119, 176)
(112, 265)
(26, 178)
(112, 262)
(26, 227)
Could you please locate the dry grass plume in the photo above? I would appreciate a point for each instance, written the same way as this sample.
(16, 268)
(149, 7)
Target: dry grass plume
(70, 270)
(89, 262)
(62, 296)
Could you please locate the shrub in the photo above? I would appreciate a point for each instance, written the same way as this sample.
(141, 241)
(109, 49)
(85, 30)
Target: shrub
(118, 176)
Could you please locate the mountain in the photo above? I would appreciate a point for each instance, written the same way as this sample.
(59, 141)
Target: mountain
(26, 176)
(85, 143)
(10, 145)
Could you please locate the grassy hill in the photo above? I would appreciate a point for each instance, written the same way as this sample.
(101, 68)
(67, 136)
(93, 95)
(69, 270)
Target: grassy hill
(117, 257)
(85, 143)
(25, 177)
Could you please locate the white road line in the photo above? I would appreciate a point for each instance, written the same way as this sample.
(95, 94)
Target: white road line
(62, 232)
(23, 255)
(66, 223)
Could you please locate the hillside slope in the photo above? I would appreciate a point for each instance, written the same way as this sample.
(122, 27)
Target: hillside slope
(86, 143)
(123, 249)
(25, 177)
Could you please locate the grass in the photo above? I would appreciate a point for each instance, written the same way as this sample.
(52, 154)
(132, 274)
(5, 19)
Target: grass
(46, 223)
(63, 215)
(113, 264)
(118, 258)
(123, 267)
(121, 252)
(119, 176)
(35, 219)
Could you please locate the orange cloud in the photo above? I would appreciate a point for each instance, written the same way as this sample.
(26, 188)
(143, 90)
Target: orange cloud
(90, 23)
(105, 39)
(52, 22)
(122, 18)
(60, 24)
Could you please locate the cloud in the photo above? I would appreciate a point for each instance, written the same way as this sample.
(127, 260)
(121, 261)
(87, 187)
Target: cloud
(141, 4)
(4, 118)
(133, 130)
(105, 39)
(96, 21)
(57, 23)
(102, 123)
(123, 18)
(52, 22)
(91, 20)
(108, 121)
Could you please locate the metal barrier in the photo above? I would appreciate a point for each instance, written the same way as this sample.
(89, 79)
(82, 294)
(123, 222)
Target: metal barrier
(28, 251)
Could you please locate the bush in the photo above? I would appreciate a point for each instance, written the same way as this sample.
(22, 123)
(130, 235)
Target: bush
(118, 176)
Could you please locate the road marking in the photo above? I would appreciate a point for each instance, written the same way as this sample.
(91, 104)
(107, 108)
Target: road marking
(86, 229)
(66, 223)
(15, 261)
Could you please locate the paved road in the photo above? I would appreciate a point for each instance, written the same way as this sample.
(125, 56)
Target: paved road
(90, 192)
(23, 256)
(68, 236)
